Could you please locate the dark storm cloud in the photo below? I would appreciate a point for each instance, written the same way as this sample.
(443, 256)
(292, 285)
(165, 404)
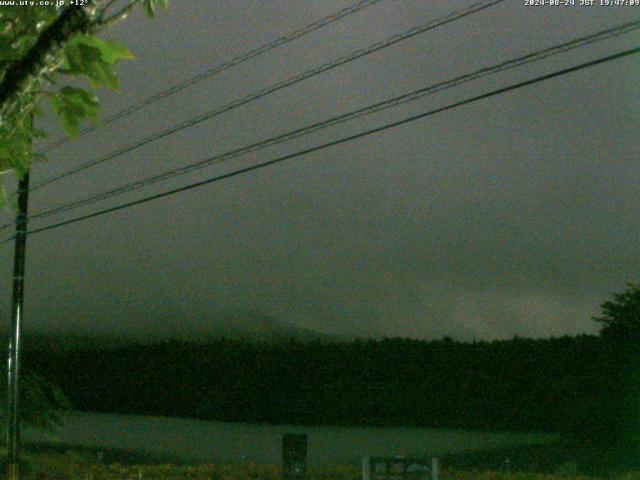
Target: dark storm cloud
(509, 216)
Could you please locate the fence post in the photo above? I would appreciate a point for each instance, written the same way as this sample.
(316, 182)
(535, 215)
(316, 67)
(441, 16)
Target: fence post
(434, 468)
(365, 468)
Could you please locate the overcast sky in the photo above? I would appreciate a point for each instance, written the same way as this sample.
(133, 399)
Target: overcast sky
(513, 215)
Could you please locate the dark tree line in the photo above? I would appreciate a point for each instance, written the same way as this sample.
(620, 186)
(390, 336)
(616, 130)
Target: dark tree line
(588, 386)
(583, 383)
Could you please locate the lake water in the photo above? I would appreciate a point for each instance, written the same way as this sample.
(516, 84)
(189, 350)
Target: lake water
(220, 442)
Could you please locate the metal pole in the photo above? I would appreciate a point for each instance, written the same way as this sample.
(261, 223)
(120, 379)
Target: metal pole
(13, 361)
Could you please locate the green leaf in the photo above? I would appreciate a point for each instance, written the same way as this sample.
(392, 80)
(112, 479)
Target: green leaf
(105, 74)
(95, 58)
(150, 6)
(110, 51)
(70, 118)
(15, 148)
(73, 105)
(72, 59)
(82, 97)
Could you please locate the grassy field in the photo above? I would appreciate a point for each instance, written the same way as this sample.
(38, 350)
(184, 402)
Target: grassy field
(561, 461)
(76, 465)
(56, 469)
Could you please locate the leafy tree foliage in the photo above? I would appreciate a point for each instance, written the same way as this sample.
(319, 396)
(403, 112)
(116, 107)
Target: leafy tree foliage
(621, 317)
(41, 401)
(37, 46)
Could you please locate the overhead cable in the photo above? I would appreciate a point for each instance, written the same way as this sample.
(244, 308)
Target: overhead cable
(392, 40)
(237, 60)
(361, 112)
(349, 138)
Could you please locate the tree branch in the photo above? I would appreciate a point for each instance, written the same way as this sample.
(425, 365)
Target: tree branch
(20, 73)
(116, 17)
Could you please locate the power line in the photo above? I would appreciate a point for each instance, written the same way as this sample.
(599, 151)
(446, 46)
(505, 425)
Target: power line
(368, 110)
(341, 140)
(392, 40)
(244, 57)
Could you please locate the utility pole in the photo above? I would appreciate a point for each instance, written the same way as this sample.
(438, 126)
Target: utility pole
(17, 310)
